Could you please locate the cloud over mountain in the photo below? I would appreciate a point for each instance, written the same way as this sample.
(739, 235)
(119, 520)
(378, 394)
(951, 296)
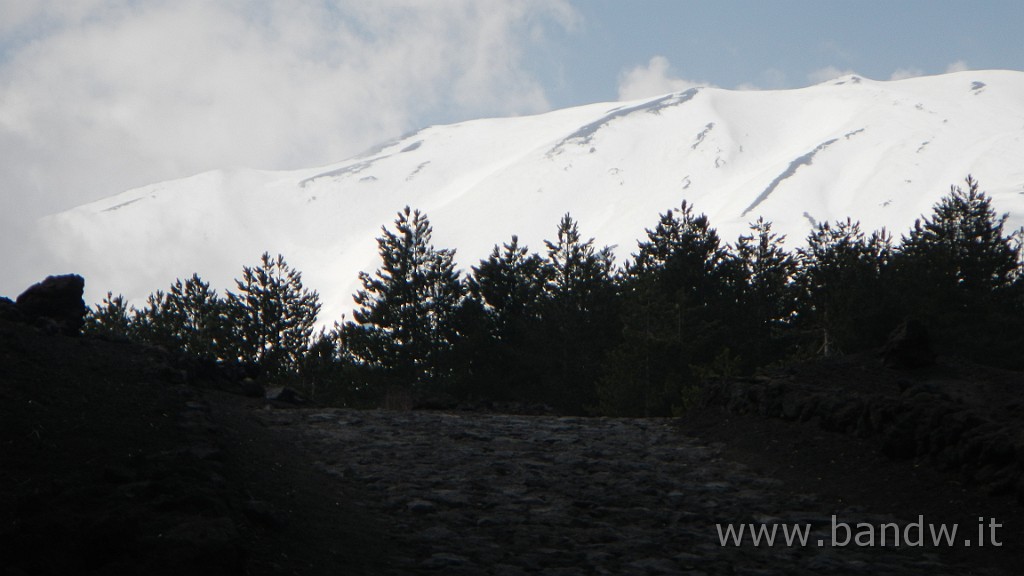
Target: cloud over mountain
(99, 96)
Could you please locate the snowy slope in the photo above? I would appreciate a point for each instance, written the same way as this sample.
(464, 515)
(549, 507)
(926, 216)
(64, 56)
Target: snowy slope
(880, 152)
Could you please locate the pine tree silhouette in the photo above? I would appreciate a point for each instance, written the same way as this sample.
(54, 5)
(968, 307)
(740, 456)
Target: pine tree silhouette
(271, 317)
(404, 325)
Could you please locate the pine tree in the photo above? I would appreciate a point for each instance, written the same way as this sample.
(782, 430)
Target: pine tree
(196, 317)
(684, 254)
(509, 291)
(404, 324)
(844, 295)
(641, 376)
(762, 277)
(962, 243)
(956, 269)
(511, 284)
(327, 374)
(1012, 308)
(579, 318)
(188, 318)
(154, 323)
(580, 274)
(110, 319)
(674, 301)
(272, 317)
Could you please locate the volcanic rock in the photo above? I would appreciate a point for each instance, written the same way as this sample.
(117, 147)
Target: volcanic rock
(56, 301)
(908, 347)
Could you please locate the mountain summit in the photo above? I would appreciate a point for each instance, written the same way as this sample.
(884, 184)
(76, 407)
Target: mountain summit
(879, 152)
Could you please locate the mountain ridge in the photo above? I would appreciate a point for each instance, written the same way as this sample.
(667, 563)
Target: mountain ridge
(882, 152)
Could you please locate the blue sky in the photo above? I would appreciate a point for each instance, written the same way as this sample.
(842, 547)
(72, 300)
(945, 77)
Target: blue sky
(781, 44)
(98, 96)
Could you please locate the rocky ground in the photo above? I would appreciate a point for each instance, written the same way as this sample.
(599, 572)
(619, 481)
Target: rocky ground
(118, 461)
(498, 494)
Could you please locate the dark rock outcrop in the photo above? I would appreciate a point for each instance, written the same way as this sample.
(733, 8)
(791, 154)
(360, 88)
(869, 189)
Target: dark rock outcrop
(284, 394)
(908, 347)
(9, 310)
(56, 302)
(928, 420)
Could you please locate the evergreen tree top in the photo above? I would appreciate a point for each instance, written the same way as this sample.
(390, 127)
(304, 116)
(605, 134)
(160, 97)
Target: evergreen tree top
(964, 238)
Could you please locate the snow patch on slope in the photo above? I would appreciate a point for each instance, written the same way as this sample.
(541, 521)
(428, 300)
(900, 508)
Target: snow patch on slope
(585, 134)
(802, 160)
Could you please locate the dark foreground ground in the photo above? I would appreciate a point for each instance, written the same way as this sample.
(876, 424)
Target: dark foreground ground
(115, 460)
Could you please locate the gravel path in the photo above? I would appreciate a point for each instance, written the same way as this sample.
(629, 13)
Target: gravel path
(499, 494)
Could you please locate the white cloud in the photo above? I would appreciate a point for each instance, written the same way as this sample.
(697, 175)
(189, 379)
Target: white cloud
(904, 73)
(186, 85)
(652, 79)
(97, 96)
(958, 66)
(828, 73)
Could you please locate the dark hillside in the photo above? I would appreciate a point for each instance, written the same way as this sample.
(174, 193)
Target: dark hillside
(122, 458)
(108, 465)
(945, 441)
(112, 463)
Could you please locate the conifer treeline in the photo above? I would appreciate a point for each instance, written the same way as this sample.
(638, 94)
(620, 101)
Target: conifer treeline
(570, 329)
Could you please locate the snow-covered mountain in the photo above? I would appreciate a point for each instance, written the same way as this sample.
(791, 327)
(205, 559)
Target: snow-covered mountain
(880, 152)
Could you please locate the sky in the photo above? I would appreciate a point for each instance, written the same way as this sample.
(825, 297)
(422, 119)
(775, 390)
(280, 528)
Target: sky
(100, 96)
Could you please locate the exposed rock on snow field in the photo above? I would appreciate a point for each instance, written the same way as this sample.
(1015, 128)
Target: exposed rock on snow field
(879, 152)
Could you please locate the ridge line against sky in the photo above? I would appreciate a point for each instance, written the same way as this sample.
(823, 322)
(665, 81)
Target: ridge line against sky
(98, 96)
